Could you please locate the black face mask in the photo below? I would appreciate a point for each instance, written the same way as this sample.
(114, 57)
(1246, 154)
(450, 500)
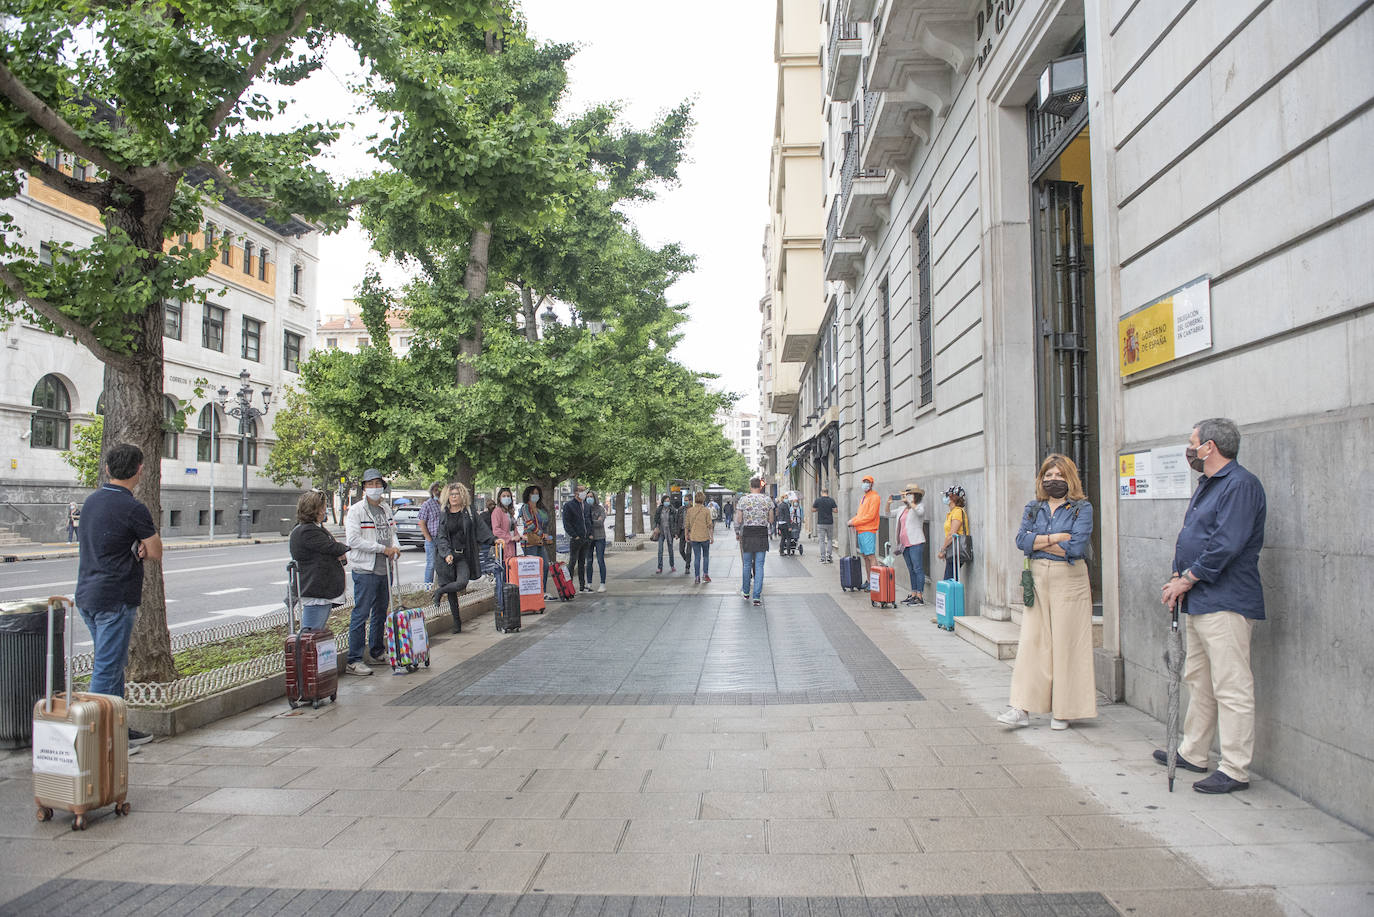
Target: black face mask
(1057, 490)
(1194, 462)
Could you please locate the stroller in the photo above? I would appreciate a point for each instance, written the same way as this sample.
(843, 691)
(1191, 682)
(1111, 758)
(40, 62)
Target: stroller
(789, 539)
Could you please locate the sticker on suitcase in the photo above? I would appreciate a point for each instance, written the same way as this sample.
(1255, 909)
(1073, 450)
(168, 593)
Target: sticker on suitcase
(875, 581)
(527, 569)
(419, 637)
(54, 749)
(326, 655)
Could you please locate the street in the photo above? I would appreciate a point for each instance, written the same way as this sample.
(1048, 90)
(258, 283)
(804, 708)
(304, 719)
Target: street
(205, 587)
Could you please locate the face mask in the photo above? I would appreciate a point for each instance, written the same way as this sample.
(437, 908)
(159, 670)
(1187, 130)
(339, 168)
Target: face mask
(1057, 490)
(589, 500)
(534, 498)
(867, 487)
(505, 501)
(1194, 462)
(374, 493)
(945, 500)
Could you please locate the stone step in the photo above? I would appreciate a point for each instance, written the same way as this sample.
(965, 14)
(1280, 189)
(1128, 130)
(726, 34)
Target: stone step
(10, 538)
(996, 638)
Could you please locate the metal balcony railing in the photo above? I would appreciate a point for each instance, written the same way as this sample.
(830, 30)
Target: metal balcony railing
(841, 29)
(832, 223)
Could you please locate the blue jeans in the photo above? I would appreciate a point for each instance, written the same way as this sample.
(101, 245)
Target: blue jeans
(371, 595)
(314, 617)
(666, 541)
(599, 548)
(753, 572)
(110, 630)
(430, 549)
(916, 566)
(701, 556)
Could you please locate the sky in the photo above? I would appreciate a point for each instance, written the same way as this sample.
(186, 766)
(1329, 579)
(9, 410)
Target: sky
(649, 55)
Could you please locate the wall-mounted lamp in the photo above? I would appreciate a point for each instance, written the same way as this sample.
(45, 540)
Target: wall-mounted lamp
(1064, 85)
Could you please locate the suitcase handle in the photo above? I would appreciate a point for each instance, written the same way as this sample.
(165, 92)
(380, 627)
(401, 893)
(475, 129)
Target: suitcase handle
(293, 594)
(53, 602)
(393, 580)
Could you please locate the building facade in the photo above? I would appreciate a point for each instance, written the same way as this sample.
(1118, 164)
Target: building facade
(264, 322)
(345, 331)
(743, 431)
(1081, 227)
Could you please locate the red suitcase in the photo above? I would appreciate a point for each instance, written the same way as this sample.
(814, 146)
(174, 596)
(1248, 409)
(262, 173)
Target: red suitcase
(882, 586)
(526, 572)
(312, 656)
(562, 578)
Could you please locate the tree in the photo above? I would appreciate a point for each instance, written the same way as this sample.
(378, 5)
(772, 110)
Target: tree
(308, 448)
(169, 105)
(85, 453)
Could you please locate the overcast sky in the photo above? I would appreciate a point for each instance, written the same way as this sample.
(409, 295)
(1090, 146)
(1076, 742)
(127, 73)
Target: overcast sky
(649, 56)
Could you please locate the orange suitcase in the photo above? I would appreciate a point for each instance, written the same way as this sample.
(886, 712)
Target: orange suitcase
(882, 586)
(526, 572)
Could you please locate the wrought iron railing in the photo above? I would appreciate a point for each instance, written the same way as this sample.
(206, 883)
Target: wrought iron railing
(841, 29)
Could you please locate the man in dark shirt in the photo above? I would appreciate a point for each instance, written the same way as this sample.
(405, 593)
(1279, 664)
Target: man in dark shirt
(1216, 565)
(116, 535)
(824, 507)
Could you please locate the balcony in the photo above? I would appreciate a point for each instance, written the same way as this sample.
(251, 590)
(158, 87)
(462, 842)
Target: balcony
(842, 60)
(786, 389)
(858, 10)
(844, 256)
(864, 193)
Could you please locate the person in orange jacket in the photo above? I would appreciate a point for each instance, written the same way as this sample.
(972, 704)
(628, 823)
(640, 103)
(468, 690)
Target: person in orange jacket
(865, 524)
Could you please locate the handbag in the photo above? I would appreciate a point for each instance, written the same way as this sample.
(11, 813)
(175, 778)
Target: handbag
(656, 534)
(964, 545)
(1027, 585)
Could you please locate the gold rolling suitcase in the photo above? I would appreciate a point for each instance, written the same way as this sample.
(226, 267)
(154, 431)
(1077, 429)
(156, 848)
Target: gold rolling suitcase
(80, 744)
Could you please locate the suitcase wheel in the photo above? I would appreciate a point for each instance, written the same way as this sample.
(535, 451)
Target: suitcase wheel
(334, 696)
(426, 662)
(121, 808)
(79, 823)
(801, 549)
(44, 813)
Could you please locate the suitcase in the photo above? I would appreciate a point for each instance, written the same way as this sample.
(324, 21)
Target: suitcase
(508, 609)
(80, 745)
(526, 573)
(882, 586)
(312, 656)
(407, 640)
(949, 598)
(851, 573)
(562, 579)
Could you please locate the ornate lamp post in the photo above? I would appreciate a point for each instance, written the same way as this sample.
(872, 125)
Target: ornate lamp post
(246, 414)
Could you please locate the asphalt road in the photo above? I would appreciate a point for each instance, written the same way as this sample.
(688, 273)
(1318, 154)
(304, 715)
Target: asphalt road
(205, 586)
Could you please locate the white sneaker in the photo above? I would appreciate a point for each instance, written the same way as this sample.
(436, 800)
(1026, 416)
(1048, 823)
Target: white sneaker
(1057, 724)
(1014, 718)
(601, 588)
(358, 668)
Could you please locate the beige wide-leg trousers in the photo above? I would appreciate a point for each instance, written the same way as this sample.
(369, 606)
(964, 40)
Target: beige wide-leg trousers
(1222, 692)
(1054, 660)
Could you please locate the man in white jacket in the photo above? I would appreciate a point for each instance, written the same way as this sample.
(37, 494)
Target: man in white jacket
(370, 533)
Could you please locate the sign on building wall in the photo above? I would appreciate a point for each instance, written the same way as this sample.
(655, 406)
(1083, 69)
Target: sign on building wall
(1155, 474)
(1175, 325)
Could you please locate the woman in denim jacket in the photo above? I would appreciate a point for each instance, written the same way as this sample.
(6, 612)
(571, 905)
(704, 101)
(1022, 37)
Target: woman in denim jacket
(1054, 661)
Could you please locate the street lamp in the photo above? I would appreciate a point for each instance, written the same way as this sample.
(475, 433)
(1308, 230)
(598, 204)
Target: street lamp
(246, 414)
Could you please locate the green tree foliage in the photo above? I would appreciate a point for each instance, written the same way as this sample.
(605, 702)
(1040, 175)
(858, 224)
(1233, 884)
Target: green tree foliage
(85, 453)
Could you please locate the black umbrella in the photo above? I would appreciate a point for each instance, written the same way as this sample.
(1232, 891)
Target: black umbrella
(1173, 659)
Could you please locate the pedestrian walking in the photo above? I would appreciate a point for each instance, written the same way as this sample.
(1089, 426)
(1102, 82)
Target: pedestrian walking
(428, 518)
(370, 533)
(824, 507)
(596, 514)
(865, 524)
(729, 510)
(1216, 565)
(909, 516)
(700, 530)
(663, 521)
(753, 517)
(532, 525)
(1054, 660)
(956, 524)
(119, 535)
(576, 524)
(73, 521)
(459, 545)
(321, 561)
(679, 520)
(503, 522)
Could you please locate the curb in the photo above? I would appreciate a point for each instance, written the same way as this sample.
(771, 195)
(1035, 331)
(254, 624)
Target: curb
(179, 546)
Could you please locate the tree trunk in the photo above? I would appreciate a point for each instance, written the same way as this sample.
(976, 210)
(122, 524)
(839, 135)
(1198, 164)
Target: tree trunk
(620, 515)
(527, 309)
(636, 516)
(133, 414)
(465, 373)
(653, 503)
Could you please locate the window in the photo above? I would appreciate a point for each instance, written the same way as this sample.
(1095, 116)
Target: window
(884, 301)
(331, 343)
(925, 312)
(863, 385)
(53, 159)
(171, 319)
(212, 328)
(291, 352)
(262, 264)
(184, 239)
(45, 254)
(249, 425)
(207, 443)
(50, 427)
(297, 279)
(209, 236)
(254, 514)
(247, 257)
(171, 420)
(174, 518)
(81, 170)
(226, 248)
(252, 339)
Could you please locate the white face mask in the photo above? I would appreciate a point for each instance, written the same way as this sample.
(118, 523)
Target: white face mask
(505, 501)
(867, 487)
(534, 498)
(374, 493)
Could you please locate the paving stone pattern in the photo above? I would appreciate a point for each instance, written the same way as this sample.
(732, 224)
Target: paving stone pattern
(76, 897)
(694, 649)
(724, 565)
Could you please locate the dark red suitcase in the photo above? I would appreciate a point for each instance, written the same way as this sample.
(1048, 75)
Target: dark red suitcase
(312, 656)
(562, 578)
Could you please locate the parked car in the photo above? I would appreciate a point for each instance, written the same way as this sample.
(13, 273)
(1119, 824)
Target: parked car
(408, 526)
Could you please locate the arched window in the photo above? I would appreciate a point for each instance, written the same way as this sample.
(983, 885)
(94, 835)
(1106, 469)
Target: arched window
(170, 417)
(207, 444)
(51, 427)
(251, 425)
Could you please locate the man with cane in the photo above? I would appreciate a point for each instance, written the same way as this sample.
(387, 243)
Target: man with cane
(1216, 566)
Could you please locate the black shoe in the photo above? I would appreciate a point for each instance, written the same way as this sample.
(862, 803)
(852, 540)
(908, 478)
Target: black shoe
(757, 603)
(1219, 783)
(1162, 757)
(138, 737)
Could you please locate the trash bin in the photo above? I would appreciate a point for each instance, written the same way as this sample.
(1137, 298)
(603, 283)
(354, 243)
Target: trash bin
(285, 526)
(23, 649)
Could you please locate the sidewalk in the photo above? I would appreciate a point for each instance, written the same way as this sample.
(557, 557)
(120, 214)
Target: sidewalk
(55, 549)
(675, 751)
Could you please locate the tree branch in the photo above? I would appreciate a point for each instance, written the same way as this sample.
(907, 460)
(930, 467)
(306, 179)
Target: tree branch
(90, 192)
(265, 53)
(80, 332)
(56, 127)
